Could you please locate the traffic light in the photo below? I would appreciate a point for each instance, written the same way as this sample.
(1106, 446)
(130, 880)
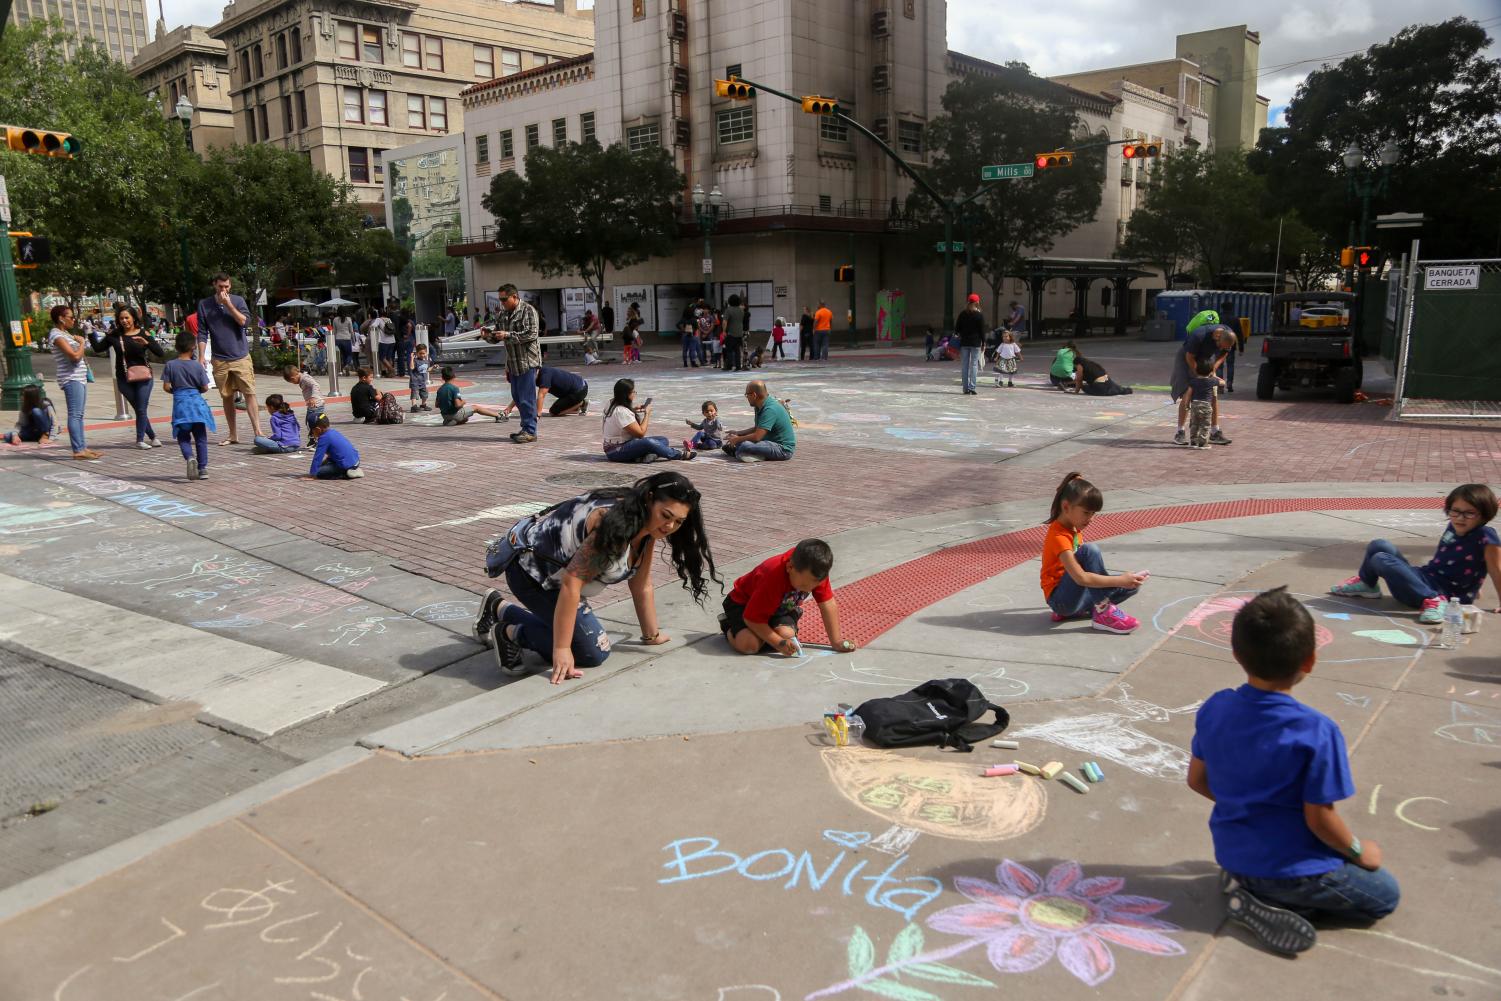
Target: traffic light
(1347, 257)
(1139, 151)
(58, 144)
(815, 105)
(734, 89)
(1369, 258)
(1057, 158)
(845, 273)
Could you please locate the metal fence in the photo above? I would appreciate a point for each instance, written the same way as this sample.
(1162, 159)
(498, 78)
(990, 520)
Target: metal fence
(1449, 357)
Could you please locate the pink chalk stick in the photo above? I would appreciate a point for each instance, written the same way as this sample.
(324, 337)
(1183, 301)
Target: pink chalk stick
(1000, 770)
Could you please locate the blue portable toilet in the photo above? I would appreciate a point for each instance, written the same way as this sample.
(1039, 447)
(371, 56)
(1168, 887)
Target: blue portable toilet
(1179, 306)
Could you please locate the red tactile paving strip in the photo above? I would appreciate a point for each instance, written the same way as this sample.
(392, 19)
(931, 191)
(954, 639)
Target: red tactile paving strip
(872, 605)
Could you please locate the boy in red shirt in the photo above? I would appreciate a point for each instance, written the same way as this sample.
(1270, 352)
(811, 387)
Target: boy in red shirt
(763, 608)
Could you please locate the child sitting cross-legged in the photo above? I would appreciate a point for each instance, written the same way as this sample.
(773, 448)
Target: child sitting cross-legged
(286, 433)
(1274, 768)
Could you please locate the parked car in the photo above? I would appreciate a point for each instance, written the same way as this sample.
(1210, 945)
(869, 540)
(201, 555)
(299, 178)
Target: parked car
(1310, 346)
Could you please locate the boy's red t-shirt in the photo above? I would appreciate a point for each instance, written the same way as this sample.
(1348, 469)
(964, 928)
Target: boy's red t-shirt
(767, 589)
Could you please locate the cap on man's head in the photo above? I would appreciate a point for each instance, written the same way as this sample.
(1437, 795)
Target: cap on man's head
(974, 297)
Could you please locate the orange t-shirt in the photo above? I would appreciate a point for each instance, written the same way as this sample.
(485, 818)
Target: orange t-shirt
(823, 319)
(1059, 538)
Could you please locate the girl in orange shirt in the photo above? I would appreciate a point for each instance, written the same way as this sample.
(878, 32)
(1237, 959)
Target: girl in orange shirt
(1074, 578)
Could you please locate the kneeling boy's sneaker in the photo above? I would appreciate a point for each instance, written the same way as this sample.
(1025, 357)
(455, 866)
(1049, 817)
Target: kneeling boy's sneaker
(1113, 620)
(355, 473)
(1356, 588)
(508, 652)
(1433, 612)
(487, 617)
(1280, 930)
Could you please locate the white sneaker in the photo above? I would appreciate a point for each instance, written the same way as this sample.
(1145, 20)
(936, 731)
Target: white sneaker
(144, 446)
(192, 469)
(355, 474)
(155, 442)
(749, 458)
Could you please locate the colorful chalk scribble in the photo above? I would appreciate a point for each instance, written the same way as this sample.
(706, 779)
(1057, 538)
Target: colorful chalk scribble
(945, 798)
(1210, 617)
(1023, 920)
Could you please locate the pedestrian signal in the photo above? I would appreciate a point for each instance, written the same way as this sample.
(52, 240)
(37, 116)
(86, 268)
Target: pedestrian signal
(845, 273)
(1057, 158)
(42, 142)
(734, 89)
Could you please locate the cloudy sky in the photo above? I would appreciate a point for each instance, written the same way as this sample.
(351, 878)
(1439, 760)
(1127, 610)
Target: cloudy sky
(1063, 36)
(1297, 36)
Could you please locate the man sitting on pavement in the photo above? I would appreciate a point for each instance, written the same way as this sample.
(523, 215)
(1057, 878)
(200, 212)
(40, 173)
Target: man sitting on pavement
(571, 390)
(1207, 339)
(772, 439)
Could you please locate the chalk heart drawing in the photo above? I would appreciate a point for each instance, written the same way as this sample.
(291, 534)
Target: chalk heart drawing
(1023, 921)
(943, 798)
(1209, 622)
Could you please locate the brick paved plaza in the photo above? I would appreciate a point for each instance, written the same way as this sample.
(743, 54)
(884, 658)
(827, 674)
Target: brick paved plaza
(278, 765)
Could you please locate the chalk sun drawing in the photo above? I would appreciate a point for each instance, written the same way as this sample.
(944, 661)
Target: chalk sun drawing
(1115, 736)
(1023, 920)
(944, 798)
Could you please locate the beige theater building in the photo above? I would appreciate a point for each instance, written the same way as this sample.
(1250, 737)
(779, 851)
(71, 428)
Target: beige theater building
(801, 193)
(344, 83)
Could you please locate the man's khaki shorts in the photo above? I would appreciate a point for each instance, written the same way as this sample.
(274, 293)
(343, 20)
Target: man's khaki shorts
(234, 376)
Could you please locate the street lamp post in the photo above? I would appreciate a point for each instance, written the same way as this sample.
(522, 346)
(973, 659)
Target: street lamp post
(1365, 183)
(184, 112)
(706, 208)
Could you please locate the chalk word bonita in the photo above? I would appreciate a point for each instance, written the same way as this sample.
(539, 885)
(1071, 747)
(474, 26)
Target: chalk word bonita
(699, 858)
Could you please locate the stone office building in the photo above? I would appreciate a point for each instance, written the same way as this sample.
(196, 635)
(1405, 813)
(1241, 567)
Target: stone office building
(119, 26)
(345, 82)
(187, 62)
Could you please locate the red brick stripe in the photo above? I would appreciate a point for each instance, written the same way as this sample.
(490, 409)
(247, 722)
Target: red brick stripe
(870, 606)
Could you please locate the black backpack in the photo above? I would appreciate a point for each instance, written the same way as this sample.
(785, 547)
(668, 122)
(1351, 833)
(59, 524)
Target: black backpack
(935, 712)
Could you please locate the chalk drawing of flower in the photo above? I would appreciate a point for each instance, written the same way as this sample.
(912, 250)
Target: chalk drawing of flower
(1025, 920)
(1022, 920)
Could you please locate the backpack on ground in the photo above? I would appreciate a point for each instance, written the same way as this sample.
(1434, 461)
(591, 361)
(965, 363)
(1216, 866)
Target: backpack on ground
(387, 410)
(935, 712)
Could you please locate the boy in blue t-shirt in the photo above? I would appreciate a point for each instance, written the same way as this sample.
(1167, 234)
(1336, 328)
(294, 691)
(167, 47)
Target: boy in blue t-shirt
(1274, 769)
(334, 456)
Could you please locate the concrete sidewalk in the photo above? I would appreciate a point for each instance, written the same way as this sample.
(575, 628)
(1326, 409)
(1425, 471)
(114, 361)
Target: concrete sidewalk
(550, 853)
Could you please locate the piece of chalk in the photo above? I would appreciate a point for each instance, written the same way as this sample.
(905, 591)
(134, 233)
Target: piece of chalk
(1009, 744)
(1068, 779)
(995, 770)
(1092, 772)
(1028, 768)
(1051, 769)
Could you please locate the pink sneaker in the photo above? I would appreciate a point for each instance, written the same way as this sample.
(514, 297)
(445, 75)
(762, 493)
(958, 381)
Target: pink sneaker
(1113, 620)
(687, 444)
(1065, 618)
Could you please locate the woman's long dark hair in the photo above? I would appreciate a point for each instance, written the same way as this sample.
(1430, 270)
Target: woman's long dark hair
(688, 547)
(135, 317)
(622, 395)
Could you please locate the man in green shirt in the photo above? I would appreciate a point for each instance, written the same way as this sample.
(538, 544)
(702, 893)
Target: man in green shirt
(453, 408)
(772, 439)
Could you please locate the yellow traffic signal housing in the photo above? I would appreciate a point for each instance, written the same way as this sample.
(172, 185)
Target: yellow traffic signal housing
(1347, 257)
(1057, 158)
(41, 141)
(734, 89)
(815, 105)
(1139, 151)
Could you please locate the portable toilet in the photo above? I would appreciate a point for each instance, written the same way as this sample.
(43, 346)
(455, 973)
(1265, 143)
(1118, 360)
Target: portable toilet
(1179, 307)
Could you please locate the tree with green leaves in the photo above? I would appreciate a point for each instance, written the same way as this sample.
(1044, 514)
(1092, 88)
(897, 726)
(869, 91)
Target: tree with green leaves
(260, 212)
(1306, 256)
(582, 209)
(369, 259)
(1211, 203)
(1008, 119)
(1430, 88)
(112, 213)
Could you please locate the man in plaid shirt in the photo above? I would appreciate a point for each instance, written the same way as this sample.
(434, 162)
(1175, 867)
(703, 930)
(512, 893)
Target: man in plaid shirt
(518, 328)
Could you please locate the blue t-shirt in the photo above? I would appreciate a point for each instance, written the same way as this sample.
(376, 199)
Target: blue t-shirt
(217, 325)
(183, 373)
(1267, 754)
(337, 449)
(561, 381)
(1457, 569)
